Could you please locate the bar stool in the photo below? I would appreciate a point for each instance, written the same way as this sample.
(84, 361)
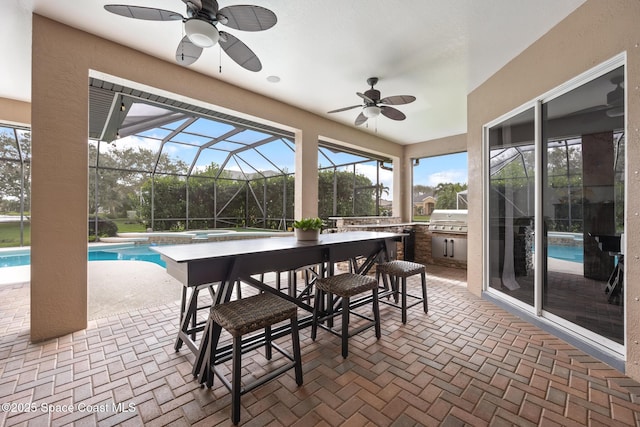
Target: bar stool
(241, 317)
(345, 286)
(400, 269)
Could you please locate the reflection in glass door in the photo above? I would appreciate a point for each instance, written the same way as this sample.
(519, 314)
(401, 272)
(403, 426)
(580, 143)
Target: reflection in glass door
(555, 208)
(583, 205)
(511, 206)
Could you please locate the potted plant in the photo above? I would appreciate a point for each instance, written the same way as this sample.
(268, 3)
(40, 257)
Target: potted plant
(308, 228)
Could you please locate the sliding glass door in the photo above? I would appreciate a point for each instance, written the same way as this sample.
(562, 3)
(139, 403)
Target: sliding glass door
(583, 206)
(557, 168)
(511, 206)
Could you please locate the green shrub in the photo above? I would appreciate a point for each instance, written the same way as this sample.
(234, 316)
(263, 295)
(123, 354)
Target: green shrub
(309, 224)
(106, 227)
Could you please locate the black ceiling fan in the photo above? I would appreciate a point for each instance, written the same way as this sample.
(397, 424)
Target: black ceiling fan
(614, 106)
(200, 27)
(373, 105)
(615, 99)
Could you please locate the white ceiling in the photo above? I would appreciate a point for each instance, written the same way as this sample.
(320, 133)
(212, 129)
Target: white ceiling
(324, 51)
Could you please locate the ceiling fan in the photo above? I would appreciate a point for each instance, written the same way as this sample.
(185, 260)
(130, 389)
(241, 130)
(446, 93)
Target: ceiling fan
(200, 27)
(374, 106)
(615, 100)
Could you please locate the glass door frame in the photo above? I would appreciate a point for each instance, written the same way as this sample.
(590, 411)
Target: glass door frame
(536, 310)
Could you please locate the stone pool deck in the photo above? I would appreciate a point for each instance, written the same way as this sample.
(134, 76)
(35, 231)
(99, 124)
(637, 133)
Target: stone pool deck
(116, 286)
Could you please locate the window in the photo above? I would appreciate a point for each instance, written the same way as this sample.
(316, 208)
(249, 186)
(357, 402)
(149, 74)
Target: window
(439, 182)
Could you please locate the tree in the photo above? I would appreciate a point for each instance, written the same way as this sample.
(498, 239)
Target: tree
(447, 195)
(348, 202)
(121, 174)
(277, 193)
(12, 174)
(422, 191)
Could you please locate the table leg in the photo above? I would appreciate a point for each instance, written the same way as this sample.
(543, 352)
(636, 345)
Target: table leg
(189, 325)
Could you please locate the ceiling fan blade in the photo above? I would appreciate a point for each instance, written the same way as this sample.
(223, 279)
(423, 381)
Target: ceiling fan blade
(187, 52)
(392, 113)
(146, 13)
(239, 52)
(193, 3)
(344, 109)
(588, 110)
(398, 100)
(209, 6)
(360, 119)
(248, 18)
(366, 98)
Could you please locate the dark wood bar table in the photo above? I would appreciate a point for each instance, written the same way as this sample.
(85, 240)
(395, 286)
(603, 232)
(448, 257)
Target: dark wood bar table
(221, 264)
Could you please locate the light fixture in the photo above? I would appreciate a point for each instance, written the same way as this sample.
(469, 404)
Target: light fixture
(371, 111)
(416, 162)
(615, 112)
(383, 166)
(201, 33)
(122, 106)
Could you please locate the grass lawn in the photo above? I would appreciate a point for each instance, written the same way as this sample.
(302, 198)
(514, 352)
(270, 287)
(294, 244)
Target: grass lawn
(10, 234)
(10, 231)
(127, 226)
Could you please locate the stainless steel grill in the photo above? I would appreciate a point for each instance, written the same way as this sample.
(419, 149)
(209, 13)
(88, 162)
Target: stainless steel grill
(448, 221)
(449, 235)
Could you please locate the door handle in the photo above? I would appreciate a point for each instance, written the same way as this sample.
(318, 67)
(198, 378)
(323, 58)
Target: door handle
(446, 244)
(451, 248)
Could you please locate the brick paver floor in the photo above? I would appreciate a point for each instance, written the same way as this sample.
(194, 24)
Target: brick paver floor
(466, 362)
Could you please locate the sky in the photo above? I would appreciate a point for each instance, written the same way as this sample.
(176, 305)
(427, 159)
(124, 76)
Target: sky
(441, 169)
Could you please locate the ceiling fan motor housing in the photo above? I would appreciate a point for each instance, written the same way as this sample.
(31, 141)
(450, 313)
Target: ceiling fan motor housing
(616, 96)
(373, 94)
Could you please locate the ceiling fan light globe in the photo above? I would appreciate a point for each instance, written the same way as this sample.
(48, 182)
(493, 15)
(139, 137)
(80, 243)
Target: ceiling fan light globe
(615, 112)
(201, 33)
(371, 111)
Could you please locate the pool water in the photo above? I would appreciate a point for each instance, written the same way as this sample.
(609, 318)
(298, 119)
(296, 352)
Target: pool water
(133, 253)
(566, 253)
(128, 253)
(143, 253)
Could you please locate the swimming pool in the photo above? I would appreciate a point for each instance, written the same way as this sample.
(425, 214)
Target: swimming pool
(130, 252)
(18, 257)
(566, 253)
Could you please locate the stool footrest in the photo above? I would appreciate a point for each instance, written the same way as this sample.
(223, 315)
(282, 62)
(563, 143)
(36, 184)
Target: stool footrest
(264, 378)
(354, 331)
(418, 300)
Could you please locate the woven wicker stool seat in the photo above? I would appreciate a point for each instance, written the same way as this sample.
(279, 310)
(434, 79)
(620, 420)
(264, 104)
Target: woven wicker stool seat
(347, 285)
(344, 286)
(397, 272)
(244, 316)
(250, 314)
(401, 268)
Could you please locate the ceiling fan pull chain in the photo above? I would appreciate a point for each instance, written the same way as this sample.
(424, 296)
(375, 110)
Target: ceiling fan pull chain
(219, 59)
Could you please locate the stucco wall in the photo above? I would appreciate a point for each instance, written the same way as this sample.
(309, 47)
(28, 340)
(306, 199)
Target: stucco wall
(15, 112)
(594, 33)
(63, 58)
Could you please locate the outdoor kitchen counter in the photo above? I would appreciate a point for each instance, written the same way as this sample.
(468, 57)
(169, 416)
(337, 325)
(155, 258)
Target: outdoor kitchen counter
(423, 238)
(381, 225)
